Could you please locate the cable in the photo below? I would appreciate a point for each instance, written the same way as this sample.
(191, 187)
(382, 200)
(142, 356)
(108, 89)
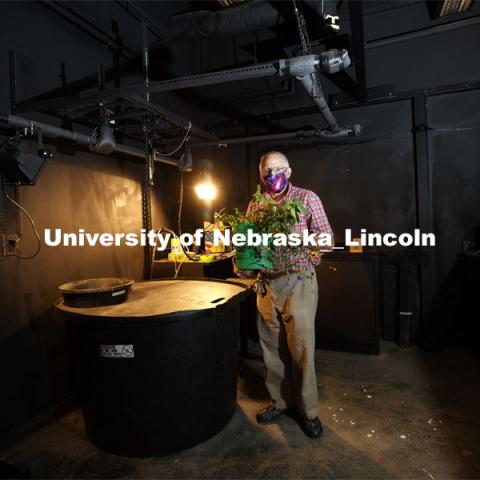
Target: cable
(177, 268)
(185, 251)
(181, 143)
(6, 141)
(180, 204)
(29, 218)
(10, 139)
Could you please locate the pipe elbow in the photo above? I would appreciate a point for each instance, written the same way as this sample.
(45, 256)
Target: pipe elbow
(104, 141)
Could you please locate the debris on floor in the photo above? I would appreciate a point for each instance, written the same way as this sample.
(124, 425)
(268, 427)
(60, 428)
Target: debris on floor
(428, 473)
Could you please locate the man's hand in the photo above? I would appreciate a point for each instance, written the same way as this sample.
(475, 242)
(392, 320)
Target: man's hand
(246, 273)
(243, 273)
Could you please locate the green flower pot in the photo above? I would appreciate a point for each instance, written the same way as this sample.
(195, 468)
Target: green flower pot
(252, 258)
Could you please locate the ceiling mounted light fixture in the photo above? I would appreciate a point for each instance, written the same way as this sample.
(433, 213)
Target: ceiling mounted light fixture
(20, 167)
(441, 8)
(228, 3)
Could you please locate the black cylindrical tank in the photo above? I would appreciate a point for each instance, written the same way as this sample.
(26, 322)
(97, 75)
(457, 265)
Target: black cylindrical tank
(157, 373)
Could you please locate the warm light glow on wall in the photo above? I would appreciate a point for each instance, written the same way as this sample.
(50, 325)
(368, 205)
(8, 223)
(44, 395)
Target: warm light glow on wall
(206, 191)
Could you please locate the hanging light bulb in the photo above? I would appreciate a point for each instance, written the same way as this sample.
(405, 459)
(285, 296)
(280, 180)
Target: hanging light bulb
(206, 190)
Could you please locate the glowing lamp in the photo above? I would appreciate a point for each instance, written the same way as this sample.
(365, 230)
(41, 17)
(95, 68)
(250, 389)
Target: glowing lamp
(206, 191)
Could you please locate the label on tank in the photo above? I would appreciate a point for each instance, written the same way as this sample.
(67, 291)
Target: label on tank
(116, 351)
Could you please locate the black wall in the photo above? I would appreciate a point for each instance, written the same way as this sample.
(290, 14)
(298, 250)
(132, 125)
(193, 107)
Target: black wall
(416, 165)
(455, 169)
(401, 178)
(74, 190)
(419, 167)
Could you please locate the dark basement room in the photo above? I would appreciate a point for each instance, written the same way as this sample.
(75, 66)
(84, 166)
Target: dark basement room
(240, 239)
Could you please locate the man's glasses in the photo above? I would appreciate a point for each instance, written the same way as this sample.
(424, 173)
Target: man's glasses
(273, 171)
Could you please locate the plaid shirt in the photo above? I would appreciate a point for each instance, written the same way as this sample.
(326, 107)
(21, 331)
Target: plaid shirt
(315, 222)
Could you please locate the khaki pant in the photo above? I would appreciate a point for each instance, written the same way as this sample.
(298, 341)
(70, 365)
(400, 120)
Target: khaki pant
(286, 327)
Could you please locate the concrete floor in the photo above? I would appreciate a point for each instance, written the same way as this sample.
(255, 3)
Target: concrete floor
(403, 414)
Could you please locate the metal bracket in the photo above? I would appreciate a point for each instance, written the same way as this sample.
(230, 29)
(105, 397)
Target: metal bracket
(171, 117)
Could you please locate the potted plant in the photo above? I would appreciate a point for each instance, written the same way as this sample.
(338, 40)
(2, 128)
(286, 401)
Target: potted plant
(268, 217)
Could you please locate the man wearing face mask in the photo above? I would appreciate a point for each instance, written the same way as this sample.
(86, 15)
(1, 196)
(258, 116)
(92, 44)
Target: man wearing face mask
(287, 302)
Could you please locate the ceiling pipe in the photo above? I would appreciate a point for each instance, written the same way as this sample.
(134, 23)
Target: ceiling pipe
(305, 70)
(345, 135)
(332, 61)
(101, 142)
(314, 89)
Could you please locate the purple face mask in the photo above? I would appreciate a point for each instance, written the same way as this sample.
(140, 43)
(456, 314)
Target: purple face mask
(275, 183)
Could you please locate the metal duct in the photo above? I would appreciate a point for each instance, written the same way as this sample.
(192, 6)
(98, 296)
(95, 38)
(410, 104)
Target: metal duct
(230, 21)
(108, 143)
(244, 17)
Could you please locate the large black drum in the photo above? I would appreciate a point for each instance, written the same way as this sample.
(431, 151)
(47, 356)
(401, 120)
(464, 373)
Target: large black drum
(157, 373)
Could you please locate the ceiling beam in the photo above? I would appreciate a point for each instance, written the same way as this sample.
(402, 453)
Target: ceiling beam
(133, 64)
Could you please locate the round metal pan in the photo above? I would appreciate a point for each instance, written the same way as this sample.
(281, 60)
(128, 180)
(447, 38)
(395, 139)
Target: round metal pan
(96, 292)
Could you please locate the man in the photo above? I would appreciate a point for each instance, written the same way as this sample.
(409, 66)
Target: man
(287, 302)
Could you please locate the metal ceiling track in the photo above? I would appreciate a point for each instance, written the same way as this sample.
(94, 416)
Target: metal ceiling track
(302, 68)
(192, 81)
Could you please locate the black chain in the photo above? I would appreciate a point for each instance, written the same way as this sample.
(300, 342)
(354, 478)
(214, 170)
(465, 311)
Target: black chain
(305, 42)
(302, 29)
